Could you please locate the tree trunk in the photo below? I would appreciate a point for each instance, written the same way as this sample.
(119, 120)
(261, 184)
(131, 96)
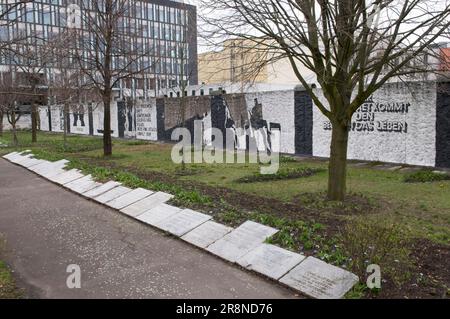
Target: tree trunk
(107, 142)
(65, 126)
(33, 123)
(337, 168)
(13, 125)
(1, 123)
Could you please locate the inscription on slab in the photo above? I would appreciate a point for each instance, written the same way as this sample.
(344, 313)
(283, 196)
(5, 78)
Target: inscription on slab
(10, 155)
(241, 240)
(101, 189)
(83, 184)
(207, 233)
(21, 158)
(158, 213)
(129, 198)
(49, 166)
(270, 260)
(41, 165)
(318, 279)
(113, 193)
(145, 204)
(32, 162)
(182, 222)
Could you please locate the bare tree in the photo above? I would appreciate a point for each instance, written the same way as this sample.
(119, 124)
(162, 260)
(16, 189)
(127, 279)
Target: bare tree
(353, 47)
(108, 50)
(9, 98)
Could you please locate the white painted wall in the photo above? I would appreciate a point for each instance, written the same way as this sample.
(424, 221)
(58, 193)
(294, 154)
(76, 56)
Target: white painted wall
(416, 146)
(278, 107)
(23, 123)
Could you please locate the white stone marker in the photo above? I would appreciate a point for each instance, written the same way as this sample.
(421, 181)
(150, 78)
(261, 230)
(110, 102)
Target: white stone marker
(158, 213)
(145, 204)
(48, 166)
(32, 162)
(52, 172)
(103, 188)
(66, 177)
(21, 158)
(113, 193)
(39, 166)
(207, 233)
(270, 260)
(10, 155)
(182, 222)
(82, 185)
(129, 198)
(241, 240)
(318, 279)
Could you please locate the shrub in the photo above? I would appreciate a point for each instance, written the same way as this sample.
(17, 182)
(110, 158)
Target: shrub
(424, 176)
(280, 175)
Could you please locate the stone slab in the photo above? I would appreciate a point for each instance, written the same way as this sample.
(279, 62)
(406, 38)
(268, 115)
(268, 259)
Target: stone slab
(101, 189)
(158, 213)
(206, 234)
(182, 222)
(146, 204)
(21, 158)
(318, 279)
(112, 194)
(10, 155)
(47, 166)
(51, 172)
(129, 198)
(241, 240)
(32, 162)
(82, 185)
(66, 177)
(270, 260)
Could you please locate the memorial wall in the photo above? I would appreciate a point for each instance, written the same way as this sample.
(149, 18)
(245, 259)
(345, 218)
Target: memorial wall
(400, 123)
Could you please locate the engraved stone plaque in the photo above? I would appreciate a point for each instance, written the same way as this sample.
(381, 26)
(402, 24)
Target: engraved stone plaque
(113, 193)
(146, 204)
(158, 213)
(182, 222)
(129, 198)
(101, 189)
(270, 260)
(318, 279)
(206, 234)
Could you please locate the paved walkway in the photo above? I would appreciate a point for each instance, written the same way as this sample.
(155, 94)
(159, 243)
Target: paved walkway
(47, 228)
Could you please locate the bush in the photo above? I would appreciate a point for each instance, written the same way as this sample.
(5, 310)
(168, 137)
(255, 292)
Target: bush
(425, 176)
(280, 175)
(367, 242)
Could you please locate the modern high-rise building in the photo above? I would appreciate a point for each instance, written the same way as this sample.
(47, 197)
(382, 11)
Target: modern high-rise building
(161, 27)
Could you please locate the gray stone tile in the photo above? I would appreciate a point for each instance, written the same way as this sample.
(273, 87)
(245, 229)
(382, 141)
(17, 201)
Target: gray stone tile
(270, 260)
(112, 194)
(206, 234)
(318, 279)
(21, 158)
(146, 204)
(48, 166)
(83, 184)
(101, 189)
(158, 213)
(241, 240)
(67, 177)
(129, 198)
(10, 155)
(52, 172)
(30, 163)
(182, 222)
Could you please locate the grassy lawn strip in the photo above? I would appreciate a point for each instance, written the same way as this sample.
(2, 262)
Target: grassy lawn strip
(402, 226)
(8, 289)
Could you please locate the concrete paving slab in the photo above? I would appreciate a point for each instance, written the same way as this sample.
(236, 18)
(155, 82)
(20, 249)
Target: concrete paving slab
(158, 213)
(146, 204)
(129, 198)
(49, 166)
(103, 188)
(21, 158)
(10, 155)
(112, 194)
(66, 177)
(318, 279)
(241, 240)
(182, 222)
(41, 165)
(82, 185)
(270, 260)
(52, 172)
(31, 163)
(206, 234)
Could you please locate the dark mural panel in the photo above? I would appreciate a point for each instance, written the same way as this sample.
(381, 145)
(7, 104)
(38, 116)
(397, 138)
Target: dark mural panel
(303, 113)
(443, 125)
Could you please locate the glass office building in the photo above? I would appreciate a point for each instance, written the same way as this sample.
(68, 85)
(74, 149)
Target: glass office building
(161, 27)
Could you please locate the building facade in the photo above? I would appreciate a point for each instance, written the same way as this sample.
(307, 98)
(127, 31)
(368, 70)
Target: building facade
(161, 27)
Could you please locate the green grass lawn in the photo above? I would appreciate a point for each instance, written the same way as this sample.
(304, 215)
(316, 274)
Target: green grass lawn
(419, 211)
